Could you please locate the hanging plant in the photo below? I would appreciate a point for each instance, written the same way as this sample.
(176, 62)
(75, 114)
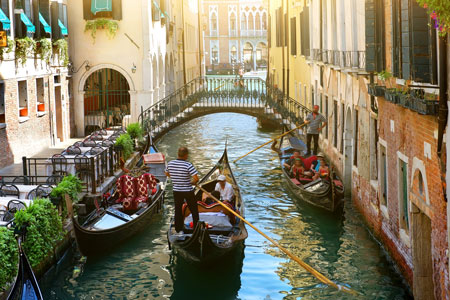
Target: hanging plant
(111, 27)
(62, 50)
(439, 11)
(8, 49)
(24, 47)
(44, 49)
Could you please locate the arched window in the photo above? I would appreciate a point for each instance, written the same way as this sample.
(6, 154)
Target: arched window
(232, 22)
(243, 22)
(213, 22)
(251, 22)
(420, 183)
(215, 55)
(233, 54)
(264, 21)
(258, 21)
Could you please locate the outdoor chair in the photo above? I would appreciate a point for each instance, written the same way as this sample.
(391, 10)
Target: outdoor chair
(78, 144)
(73, 150)
(53, 179)
(86, 179)
(59, 163)
(45, 189)
(15, 205)
(89, 143)
(81, 162)
(21, 180)
(95, 151)
(10, 190)
(96, 137)
(107, 143)
(102, 132)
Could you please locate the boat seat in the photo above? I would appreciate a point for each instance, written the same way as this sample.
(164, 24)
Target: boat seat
(134, 190)
(214, 207)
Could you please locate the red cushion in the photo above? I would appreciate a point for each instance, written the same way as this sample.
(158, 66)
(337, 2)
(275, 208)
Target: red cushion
(140, 199)
(305, 179)
(308, 161)
(125, 186)
(141, 186)
(295, 181)
(337, 182)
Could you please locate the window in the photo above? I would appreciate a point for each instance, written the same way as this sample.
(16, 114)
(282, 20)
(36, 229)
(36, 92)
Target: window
(264, 21)
(40, 95)
(304, 31)
(258, 21)
(113, 9)
(279, 26)
(2, 102)
(5, 26)
(293, 36)
(335, 127)
(420, 179)
(233, 54)
(41, 16)
(373, 149)
(215, 55)
(355, 138)
(403, 194)
(396, 22)
(251, 22)
(233, 24)
(23, 98)
(243, 21)
(384, 176)
(59, 20)
(375, 36)
(23, 19)
(326, 116)
(213, 24)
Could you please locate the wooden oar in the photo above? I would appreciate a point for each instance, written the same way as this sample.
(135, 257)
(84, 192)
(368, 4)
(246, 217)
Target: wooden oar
(280, 136)
(307, 267)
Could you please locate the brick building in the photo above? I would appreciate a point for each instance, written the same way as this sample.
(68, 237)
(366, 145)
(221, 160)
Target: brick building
(34, 84)
(383, 132)
(235, 35)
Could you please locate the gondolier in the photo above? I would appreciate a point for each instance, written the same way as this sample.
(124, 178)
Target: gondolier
(181, 171)
(314, 121)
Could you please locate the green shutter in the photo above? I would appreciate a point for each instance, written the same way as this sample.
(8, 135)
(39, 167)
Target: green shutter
(374, 35)
(406, 43)
(293, 36)
(100, 6)
(405, 193)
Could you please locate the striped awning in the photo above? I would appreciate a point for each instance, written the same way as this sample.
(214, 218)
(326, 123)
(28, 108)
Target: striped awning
(5, 21)
(30, 27)
(44, 23)
(64, 30)
(101, 5)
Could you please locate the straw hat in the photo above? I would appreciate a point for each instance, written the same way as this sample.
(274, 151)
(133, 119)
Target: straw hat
(221, 178)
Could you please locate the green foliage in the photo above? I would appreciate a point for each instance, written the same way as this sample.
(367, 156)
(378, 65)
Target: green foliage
(8, 257)
(135, 130)
(70, 185)
(111, 27)
(24, 47)
(44, 49)
(62, 51)
(43, 229)
(439, 11)
(7, 49)
(125, 142)
(384, 75)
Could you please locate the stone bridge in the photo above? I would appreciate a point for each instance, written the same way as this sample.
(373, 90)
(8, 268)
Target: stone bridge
(214, 94)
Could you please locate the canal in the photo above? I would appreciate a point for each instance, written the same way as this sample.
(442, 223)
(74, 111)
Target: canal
(338, 246)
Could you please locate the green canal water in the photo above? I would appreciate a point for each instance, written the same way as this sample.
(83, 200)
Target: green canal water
(338, 246)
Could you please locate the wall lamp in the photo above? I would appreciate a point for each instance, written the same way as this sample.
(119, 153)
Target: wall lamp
(133, 68)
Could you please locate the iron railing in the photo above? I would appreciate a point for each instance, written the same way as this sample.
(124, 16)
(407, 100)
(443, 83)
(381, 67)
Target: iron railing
(220, 92)
(344, 59)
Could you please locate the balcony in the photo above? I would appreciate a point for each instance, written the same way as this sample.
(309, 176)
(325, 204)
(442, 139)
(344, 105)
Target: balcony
(253, 33)
(349, 60)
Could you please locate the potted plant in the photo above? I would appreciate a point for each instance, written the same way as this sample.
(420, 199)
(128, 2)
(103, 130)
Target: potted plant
(44, 49)
(124, 143)
(70, 185)
(24, 47)
(379, 90)
(111, 27)
(426, 104)
(61, 48)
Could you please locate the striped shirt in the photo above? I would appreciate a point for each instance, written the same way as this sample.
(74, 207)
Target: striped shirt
(180, 172)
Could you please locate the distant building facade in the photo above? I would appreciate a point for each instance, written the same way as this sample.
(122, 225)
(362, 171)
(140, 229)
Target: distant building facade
(235, 35)
(35, 98)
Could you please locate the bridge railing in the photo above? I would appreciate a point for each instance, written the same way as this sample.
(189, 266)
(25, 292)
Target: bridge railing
(221, 92)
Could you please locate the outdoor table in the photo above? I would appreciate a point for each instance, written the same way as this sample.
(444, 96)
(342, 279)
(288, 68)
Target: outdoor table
(5, 200)
(25, 189)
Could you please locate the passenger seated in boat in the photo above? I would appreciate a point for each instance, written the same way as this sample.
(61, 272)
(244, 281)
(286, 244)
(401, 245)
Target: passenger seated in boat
(225, 189)
(297, 170)
(321, 169)
(290, 162)
(208, 200)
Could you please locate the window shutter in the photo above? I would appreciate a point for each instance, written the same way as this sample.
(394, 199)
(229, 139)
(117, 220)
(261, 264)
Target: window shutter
(117, 9)
(56, 31)
(406, 42)
(293, 36)
(87, 13)
(421, 44)
(304, 31)
(370, 36)
(396, 38)
(35, 19)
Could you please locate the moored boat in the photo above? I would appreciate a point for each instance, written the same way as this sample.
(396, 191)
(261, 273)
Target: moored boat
(26, 286)
(130, 209)
(326, 193)
(218, 232)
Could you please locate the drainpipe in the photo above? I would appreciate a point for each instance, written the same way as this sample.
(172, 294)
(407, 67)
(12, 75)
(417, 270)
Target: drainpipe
(184, 47)
(287, 26)
(443, 110)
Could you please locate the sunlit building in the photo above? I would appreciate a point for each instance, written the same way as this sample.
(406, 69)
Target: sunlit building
(235, 35)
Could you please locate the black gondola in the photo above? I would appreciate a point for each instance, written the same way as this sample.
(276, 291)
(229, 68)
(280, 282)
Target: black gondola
(325, 194)
(206, 243)
(26, 286)
(110, 225)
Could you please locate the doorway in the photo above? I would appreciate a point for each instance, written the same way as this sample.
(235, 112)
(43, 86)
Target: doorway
(348, 151)
(423, 287)
(58, 114)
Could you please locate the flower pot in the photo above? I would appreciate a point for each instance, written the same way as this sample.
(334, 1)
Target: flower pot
(23, 112)
(376, 90)
(41, 107)
(424, 107)
(405, 100)
(392, 95)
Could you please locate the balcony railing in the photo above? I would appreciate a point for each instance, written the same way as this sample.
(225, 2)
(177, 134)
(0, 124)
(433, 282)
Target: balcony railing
(344, 59)
(253, 33)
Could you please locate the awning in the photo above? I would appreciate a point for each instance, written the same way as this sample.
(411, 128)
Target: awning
(5, 21)
(101, 5)
(157, 6)
(27, 22)
(44, 23)
(63, 28)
